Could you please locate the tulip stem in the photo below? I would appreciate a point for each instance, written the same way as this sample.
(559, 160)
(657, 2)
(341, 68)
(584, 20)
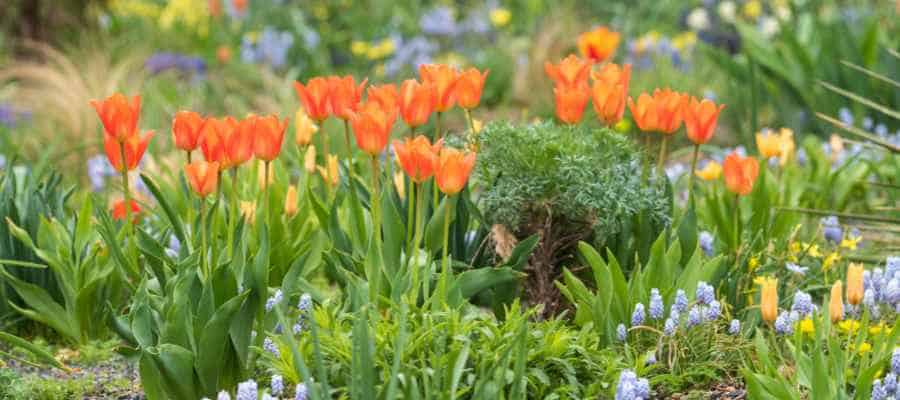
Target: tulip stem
(693, 172)
(661, 160)
(445, 260)
(349, 153)
(214, 250)
(203, 260)
(126, 191)
(737, 222)
(645, 168)
(324, 137)
(439, 136)
(190, 199)
(233, 208)
(469, 120)
(376, 225)
(266, 190)
(416, 241)
(410, 206)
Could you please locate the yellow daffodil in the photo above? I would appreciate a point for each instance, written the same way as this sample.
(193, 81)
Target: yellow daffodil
(710, 172)
(359, 48)
(752, 9)
(807, 326)
(848, 326)
(865, 347)
(830, 260)
(851, 243)
(500, 17)
(684, 40)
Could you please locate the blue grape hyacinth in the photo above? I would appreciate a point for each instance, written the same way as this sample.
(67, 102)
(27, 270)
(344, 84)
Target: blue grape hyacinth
(621, 332)
(637, 317)
(632, 388)
(657, 308)
(247, 390)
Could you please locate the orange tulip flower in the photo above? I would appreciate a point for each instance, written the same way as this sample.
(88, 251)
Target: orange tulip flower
(700, 118)
(134, 150)
(570, 103)
(305, 128)
(213, 135)
(345, 95)
(769, 299)
(836, 302)
(598, 45)
(119, 212)
(855, 283)
(372, 127)
(571, 72)
(268, 135)
(186, 130)
(315, 98)
(203, 176)
(454, 167)
(417, 102)
(418, 157)
(444, 79)
(610, 91)
(469, 88)
(644, 112)
(238, 142)
(740, 173)
(669, 109)
(768, 143)
(387, 97)
(119, 115)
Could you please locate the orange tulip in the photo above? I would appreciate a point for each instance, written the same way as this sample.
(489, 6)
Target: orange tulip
(836, 303)
(570, 103)
(598, 45)
(571, 72)
(203, 176)
(134, 150)
(700, 119)
(769, 299)
(454, 167)
(768, 143)
(469, 88)
(740, 173)
(669, 109)
(855, 283)
(418, 157)
(315, 98)
(610, 91)
(119, 212)
(213, 136)
(387, 97)
(345, 95)
(417, 102)
(644, 112)
(372, 127)
(269, 133)
(238, 142)
(444, 79)
(119, 115)
(186, 130)
(309, 160)
(330, 173)
(305, 128)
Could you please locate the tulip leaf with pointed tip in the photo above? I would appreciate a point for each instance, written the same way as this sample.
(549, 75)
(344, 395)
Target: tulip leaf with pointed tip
(41, 354)
(394, 234)
(469, 283)
(171, 215)
(434, 230)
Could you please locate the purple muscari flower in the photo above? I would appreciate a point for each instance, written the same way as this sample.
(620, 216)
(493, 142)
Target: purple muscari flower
(891, 293)
(783, 324)
(878, 390)
(895, 361)
(98, 169)
(271, 347)
(651, 358)
(277, 385)
(657, 308)
(223, 395)
(869, 298)
(163, 61)
(831, 228)
(630, 387)
(439, 21)
(890, 382)
(705, 293)
(802, 304)
(305, 303)
(695, 316)
(621, 333)
(706, 240)
(274, 46)
(796, 268)
(734, 328)
(637, 317)
(892, 266)
(881, 130)
(299, 326)
(681, 302)
(845, 116)
(801, 156)
(867, 123)
(674, 171)
(174, 247)
(477, 23)
(271, 302)
(714, 311)
(669, 327)
(247, 390)
(300, 393)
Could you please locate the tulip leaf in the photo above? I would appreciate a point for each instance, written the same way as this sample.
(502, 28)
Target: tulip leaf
(469, 283)
(177, 226)
(434, 231)
(37, 351)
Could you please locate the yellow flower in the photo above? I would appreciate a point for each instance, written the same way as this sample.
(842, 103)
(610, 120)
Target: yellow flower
(851, 243)
(190, 13)
(623, 126)
(752, 9)
(500, 17)
(877, 329)
(786, 153)
(848, 326)
(358, 47)
(768, 144)
(807, 326)
(381, 50)
(830, 260)
(248, 211)
(753, 263)
(477, 124)
(684, 40)
(865, 347)
(710, 172)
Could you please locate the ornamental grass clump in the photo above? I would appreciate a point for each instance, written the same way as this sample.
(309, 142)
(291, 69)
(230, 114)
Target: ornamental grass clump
(566, 184)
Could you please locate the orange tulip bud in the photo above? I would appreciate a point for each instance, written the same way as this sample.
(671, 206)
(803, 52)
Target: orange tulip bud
(644, 112)
(186, 130)
(119, 212)
(454, 167)
(372, 127)
(315, 98)
(740, 173)
(598, 45)
(212, 137)
(309, 160)
(570, 103)
(135, 147)
(417, 102)
(387, 97)
(268, 136)
(610, 91)
(305, 128)
(836, 302)
(345, 95)
(768, 143)
(203, 176)
(444, 79)
(571, 72)
(119, 116)
(418, 157)
(769, 299)
(330, 174)
(469, 88)
(855, 288)
(700, 119)
(669, 109)
(290, 201)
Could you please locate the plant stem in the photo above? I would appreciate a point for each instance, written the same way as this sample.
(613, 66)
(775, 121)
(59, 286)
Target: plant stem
(349, 153)
(469, 119)
(645, 168)
(445, 260)
(266, 190)
(737, 222)
(203, 260)
(324, 136)
(410, 222)
(190, 199)
(693, 172)
(233, 214)
(661, 160)
(439, 135)
(126, 191)
(376, 224)
(417, 240)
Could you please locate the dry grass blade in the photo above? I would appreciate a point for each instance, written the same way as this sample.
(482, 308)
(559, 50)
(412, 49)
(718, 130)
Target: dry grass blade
(871, 73)
(859, 132)
(855, 97)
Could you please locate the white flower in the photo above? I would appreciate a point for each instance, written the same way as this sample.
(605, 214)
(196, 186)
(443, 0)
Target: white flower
(727, 11)
(769, 26)
(783, 13)
(698, 19)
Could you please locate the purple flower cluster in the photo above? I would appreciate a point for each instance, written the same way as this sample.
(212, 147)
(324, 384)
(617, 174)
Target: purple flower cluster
(163, 61)
(887, 388)
(247, 390)
(630, 387)
(10, 117)
(882, 288)
(706, 240)
(831, 229)
(271, 47)
(305, 307)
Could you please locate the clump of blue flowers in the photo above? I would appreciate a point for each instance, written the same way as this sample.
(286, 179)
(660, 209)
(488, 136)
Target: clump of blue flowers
(630, 387)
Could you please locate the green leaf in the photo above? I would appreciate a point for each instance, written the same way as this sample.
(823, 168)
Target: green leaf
(214, 341)
(468, 283)
(43, 308)
(37, 351)
(177, 366)
(434, 230)
(151, 378)
(177, 226)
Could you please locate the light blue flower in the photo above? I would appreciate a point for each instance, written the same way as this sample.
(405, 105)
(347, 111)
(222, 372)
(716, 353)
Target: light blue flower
(734, 328)
(867, 123)
(247, 390)
(895, 361)
(681, 302)
(276, 298)
(223, 395)
(439, 21)
(831, 229)
(878, 391)
(890, 382)
(630, 387)
(651, 358)
(802, 304)
(706, 240)
(637, 317)
(695, 316)
(669, 327)
(881, 130)
(783, 324)
(705, 293)
(657, 308)
(796, 268)
(271, 347)
(714, 311)
(277, 385)
(305, 303)
(621, 333)
(300, 393)
(845, 116)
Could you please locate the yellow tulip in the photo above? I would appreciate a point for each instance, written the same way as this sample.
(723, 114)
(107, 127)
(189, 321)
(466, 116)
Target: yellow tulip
(836, 304)
(710, 172)
(290, 201)
(769, 299)
(309, 161)
(768, 144)
(855, 283)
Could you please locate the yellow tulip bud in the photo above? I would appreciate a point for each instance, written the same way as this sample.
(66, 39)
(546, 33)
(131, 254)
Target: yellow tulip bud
(290, 201)
(309, 161)
(855, 283)
(769, 299)
(836, 304)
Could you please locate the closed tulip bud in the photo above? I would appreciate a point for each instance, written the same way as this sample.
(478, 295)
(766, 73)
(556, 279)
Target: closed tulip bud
(669, 109)
(119, 116)
(418, 157)
(305, 128)
(315, 98)
(740, 173)
(309, 160)
(570, 103)
(598, 45)
(469, 88)
(571, 72)
(417, 102)
(610, 91)
(248, 211)
(444, 79)
(203, 177)
(836, 303)
(268, 136)
(238, 144)
(454, 167)
(134, 147)
(400, 185)
(345, 95)
(290, 201)
(768, 144)
(700, 119)
(330, 174)
(710, 172)
(769, 299)
(119, 212)
(787, 147)
(387, 97)
(855, 289)
(186, 128)
(372, 127)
